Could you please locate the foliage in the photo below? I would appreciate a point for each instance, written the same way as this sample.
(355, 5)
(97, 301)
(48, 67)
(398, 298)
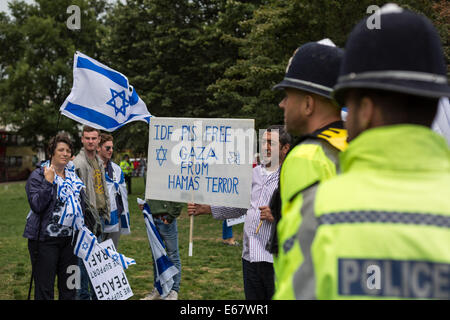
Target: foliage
(441, 19)
(274, 32)
(171, 51)
(186, 58)
(36, 65)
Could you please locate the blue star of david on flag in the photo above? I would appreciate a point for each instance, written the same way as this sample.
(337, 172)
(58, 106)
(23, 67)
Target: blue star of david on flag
(161, 155)
(112, 102)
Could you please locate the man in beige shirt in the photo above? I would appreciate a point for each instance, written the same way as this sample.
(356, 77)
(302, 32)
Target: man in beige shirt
(89, 167)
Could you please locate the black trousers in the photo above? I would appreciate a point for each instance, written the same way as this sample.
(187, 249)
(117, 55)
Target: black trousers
(258, 280)
(52, 258)
(128, 182)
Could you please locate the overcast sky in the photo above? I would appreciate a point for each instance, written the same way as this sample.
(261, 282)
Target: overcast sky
(4, 3)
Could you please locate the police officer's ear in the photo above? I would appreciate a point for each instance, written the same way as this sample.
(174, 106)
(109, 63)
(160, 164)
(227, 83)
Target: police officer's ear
(309, 104)
(366, 113)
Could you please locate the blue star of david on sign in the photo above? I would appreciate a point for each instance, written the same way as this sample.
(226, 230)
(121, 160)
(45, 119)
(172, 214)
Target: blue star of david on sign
(85, 245)
(112, 102)
(161, 155)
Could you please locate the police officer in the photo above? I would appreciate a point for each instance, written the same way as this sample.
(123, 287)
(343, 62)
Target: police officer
(127, 169)
(309, 113)
(381, 229)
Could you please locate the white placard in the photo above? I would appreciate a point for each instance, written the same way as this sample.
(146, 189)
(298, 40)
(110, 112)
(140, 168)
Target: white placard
(107, 276)
(234, 221)
(207, 161)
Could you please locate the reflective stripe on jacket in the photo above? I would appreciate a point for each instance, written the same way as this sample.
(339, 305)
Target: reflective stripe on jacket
(126, 167)
(313, 160)
(380, 230)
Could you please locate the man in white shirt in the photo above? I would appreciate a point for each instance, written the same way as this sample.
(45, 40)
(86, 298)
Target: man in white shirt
(257, 262)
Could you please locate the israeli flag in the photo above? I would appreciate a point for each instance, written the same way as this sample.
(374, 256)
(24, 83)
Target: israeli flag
(85, 243)
(125, 262)
(165, 270)
(102, 97)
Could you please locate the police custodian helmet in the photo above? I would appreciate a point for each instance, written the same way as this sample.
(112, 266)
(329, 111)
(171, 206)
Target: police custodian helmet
(314, 67)
(404, 55)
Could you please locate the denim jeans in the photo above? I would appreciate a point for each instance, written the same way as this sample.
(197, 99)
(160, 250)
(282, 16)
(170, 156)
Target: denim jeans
(86, 291)
(169, 234)
(227, 232)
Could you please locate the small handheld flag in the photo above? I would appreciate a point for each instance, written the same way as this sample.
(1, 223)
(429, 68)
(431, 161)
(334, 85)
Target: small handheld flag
(102, 97)
(84, 246)
(85, 243)
(165, 270)
(125, 262)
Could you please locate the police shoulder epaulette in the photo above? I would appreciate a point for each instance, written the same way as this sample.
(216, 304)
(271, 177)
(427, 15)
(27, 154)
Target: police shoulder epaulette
(337, 137)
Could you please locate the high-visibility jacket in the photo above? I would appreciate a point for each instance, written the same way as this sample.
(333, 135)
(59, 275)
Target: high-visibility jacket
(126, 167)
(381, 229)
(313, 159)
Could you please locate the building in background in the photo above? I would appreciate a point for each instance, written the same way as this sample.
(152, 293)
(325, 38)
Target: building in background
(17, 159)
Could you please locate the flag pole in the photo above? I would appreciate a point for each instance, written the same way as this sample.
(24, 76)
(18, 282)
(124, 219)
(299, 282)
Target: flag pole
(191, 230)
(259, 226)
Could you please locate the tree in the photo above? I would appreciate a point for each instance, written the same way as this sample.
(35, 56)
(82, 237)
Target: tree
(171, 51)
(274, 32)
(185, 58)
(36, 65)
(441, 19)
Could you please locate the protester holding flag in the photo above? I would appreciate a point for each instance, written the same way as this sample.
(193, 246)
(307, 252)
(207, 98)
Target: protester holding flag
(89, 168)
(164, 215)
(117, 189)
(54, 192)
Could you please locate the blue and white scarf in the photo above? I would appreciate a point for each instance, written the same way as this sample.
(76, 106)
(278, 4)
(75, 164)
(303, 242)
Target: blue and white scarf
(116, 186)
(68, 196)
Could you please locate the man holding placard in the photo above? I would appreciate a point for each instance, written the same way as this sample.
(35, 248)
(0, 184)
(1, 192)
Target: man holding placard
(257, 262)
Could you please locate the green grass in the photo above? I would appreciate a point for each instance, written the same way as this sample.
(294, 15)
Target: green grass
(213, 272)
